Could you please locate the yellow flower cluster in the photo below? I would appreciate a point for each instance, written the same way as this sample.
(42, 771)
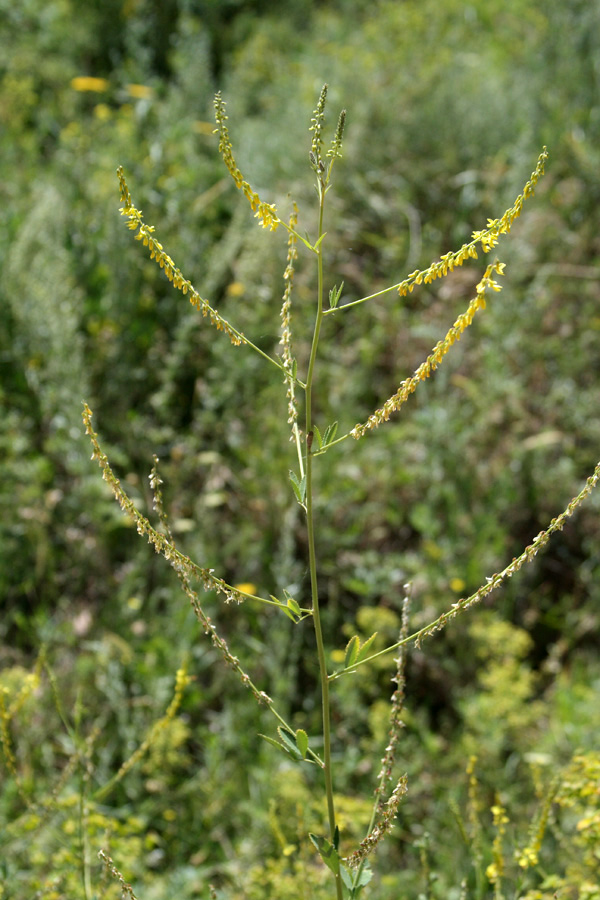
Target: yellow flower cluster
(265, 212)
(88, 83)
(527, 858)
(9, 755)
(436, 356)
(173, 273)
(529, 855)
(488, 237)
(495, 870)
(140, 91)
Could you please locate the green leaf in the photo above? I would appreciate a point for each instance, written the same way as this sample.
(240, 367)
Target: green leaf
(355, 890)
(275, 743)
(298, 486)
(289, 743)
(334, 295)
(303, 488)
(365, 876)
(366, 648)
(318, 437)
(302, 742)
(327, 852)
(347, 878)
(293, 605)
(352, 648)
(286, 609)
(330, 433)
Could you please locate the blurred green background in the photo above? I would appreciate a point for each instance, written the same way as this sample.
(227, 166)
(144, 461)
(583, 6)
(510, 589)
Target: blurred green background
(448, 106)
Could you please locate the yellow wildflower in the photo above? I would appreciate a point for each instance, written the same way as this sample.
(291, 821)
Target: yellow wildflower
(87, 83)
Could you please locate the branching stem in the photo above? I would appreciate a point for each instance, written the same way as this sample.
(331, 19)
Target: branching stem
(324, 679)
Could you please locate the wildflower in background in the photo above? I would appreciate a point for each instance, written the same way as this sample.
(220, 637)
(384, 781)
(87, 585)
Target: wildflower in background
(102, 112)
(87, 83)
(140, 91)
(495, 870)
(246, 587)
(235, 289)
(529, 855)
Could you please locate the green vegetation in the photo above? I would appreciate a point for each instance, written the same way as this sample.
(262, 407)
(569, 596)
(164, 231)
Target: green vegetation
(121, 730)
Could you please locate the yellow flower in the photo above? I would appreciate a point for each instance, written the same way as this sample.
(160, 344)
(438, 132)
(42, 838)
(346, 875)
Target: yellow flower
(102, 112)
(139, 91)
(87, 83)
(236, 289)
(246, 587)
(492, 872)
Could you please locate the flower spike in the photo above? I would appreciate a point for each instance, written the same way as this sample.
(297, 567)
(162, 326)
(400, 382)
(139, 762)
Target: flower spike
(436, 356)
(146, 236)
(265, 212)
(316, 126)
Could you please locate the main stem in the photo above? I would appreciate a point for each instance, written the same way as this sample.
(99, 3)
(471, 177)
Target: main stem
(312, 553)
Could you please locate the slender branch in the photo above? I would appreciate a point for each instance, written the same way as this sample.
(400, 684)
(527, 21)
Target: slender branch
(436, 356)
(161, 542)
(487, 237)
(332, 444)
(492, 582)
(145, 234)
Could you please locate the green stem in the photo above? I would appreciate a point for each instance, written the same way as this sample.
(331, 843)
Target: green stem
(332, 444)
(387, 290)
(312, 553)
(266, 356)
